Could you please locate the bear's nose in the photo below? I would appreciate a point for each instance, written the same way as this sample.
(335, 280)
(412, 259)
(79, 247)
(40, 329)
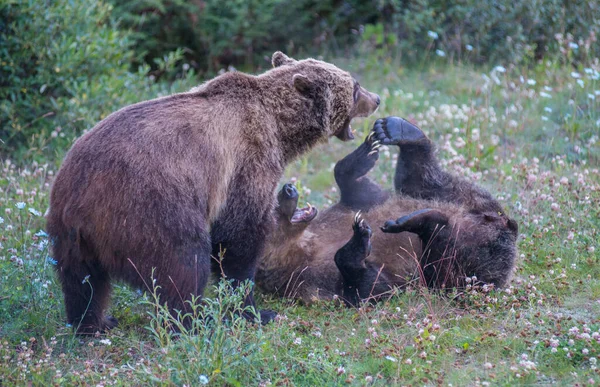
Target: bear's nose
(378, 101)
(290, 190)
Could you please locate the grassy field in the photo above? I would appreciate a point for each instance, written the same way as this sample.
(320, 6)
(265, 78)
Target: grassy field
(530, 135)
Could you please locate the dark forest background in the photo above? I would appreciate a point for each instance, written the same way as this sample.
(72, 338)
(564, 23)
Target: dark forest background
(65, 64)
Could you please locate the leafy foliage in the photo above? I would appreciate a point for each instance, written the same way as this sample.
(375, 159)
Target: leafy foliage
(64, 65)
(217, 34)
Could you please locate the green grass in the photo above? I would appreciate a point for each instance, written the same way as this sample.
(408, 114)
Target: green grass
(539, 154)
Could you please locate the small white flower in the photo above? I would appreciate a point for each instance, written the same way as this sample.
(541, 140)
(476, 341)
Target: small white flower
(1, 220)
(432, 34)
(548, 109)
(581, 83)
(297, 341)
(573, 45)
(575, 75)
(531, 82)
(500, 69)
(440, 53)
(105, 342)
(543, 94)
(391, 358)
(469, 47)
(33, 211)
(591, 96)
(203, 379)
(20, 205)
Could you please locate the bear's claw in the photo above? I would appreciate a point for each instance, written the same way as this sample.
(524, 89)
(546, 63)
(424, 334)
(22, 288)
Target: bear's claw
(373, 144)
(397, 131)
(362, 232)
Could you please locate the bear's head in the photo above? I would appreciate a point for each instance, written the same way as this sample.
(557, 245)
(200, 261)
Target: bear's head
(337, 94)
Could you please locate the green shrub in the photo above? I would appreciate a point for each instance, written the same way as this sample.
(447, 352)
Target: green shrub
(493, 30)
(51, 49)
(64, 65)
(216, 34)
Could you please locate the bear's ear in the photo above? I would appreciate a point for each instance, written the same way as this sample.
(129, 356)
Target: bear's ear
(302, 84)
(280, 59)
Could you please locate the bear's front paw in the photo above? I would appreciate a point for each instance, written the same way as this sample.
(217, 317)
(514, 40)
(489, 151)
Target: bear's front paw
(266, 316)
(397, 131)
(362, 233)
(263, 316)
(110, 322)
(402, 224)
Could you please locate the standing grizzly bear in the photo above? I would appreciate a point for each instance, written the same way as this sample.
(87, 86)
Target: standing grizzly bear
(448, 229)
(165, 183)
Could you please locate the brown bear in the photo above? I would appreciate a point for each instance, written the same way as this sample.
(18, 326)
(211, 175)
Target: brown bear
(167, 183)
(448, 229)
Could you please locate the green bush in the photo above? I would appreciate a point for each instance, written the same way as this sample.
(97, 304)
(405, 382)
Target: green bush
(216, 34)
(493, 30)
(64, 65)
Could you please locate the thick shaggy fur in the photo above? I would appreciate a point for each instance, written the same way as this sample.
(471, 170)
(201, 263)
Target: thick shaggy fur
(447, 229)
(164, 184)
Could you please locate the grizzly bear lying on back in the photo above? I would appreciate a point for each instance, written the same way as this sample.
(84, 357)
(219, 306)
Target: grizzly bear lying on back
(163, 184)
(447, 229)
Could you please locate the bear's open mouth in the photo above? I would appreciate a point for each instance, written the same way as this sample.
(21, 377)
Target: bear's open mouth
(303, 215)
(345, 134)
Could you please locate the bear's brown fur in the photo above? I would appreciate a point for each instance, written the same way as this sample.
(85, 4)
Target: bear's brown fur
(163, 184)
(448, 229)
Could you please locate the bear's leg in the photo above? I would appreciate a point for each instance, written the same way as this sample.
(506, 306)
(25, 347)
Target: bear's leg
(361, 279)
(237, 245)
(417, 171)
(433, 227)
(184, 274)
(357, 191)
(86, 287)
